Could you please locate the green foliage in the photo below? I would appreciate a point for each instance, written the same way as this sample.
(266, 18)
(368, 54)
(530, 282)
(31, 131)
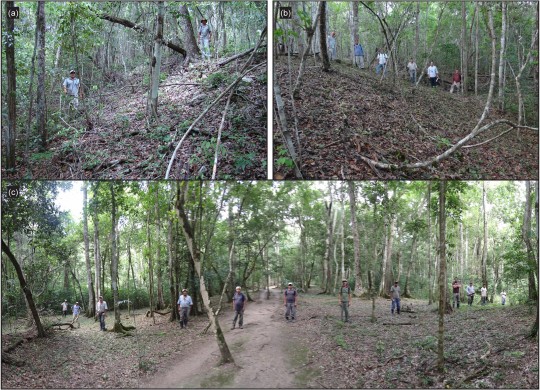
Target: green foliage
(428, 343)
(216, 79)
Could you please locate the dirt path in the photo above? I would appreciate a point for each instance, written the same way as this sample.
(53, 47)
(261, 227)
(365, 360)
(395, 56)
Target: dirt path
(260, 351)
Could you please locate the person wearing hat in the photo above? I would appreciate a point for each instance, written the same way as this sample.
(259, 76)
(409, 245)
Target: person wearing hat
(101, 311)
(76, 311)
(64, 308)
(184, 305)
(289, 300)
(71, 88)
(394, 295)
(204, 38)
(345, 299)
(239, 305)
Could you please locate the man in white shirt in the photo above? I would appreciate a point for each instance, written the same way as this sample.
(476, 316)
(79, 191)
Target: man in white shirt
(382, 57)
(101, 310)
(411, 66)
(204, 38)
(433, 74)
(470, 293)
(72, 89)
(184, 305)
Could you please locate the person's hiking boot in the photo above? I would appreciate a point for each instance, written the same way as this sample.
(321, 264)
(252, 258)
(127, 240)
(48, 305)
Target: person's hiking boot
(287, 318)
(241, 327)
(233, 327)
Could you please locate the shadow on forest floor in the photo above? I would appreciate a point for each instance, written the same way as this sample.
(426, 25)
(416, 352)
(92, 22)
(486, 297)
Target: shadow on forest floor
(123, 144)
(349, 112)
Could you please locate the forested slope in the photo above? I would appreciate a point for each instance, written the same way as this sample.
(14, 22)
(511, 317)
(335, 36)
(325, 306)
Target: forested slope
(349, 112)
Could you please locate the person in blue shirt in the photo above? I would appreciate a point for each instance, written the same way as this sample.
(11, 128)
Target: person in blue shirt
(184, 305)
(76, 311)
(358, 54)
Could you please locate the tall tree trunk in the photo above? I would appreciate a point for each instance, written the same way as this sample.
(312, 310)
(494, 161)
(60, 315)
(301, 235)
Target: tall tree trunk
(171, 258)
(417, 31)
(159, 263)
(358, 288)
(485, 236)
(504, 8)
(41, 73)
(322, 37)
(10, 134)
(430, 292)
(526, 233)
(406, 290)
(156, 63)
(388, 275)
(189, 40)
(327, 271)
(310, 31)
(442, 273)
(464, 47)
(476, 48)
(189, 234)
(534, 328)
(114, 260)
(97, 254)
(91, 308)
(354, 29)
(150, 269)
(25, 289)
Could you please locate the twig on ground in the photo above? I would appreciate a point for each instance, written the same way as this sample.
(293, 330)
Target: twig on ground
(218, 142)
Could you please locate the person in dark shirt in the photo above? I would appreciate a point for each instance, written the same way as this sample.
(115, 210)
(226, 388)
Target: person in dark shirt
(455, 291)
(239, 305)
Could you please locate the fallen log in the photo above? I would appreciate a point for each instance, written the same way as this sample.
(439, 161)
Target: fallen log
(158, 312)
(397, 323)
(8, 359)
(243, 54)
(62, 324)
(13, 346)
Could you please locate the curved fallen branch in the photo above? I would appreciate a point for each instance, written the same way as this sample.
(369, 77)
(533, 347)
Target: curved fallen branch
(218, 142)
(242, 72)
(436, 159)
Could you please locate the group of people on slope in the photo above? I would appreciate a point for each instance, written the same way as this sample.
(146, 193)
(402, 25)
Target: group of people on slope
(456, 286)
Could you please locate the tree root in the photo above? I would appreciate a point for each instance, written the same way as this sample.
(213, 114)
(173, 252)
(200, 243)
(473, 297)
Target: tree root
(447, 153)
(8, 359)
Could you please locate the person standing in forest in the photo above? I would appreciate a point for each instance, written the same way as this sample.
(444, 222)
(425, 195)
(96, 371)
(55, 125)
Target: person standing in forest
(412, 67)
(455, 291)
(101, 311)
(204, 38)
(394, 295)
(433, 74)
(332, 48)
(503, 297)
(184, 305)
(382, 58)
(470, 294)
(239, 305)
(358, 54)
(76, 311)
(289, 300)
(64, 308)
(344, 299)
(72, 89)
(483, 294)
(456, 81)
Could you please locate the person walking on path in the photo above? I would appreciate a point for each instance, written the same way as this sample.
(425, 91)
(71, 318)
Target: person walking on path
(394, 295)
(470, 294)
(455, 291)
(64, 305)
(204, 38)
(412, 67)
(503, 298)
(72, 89)
(101, 310)
(382, 58)
(433, 74)
(456, 81)
(239, 305)
(184, 306)
(483, 294)
(332, 49)
(76, 312)
(289, 300)
(358, 54)
(344, 299)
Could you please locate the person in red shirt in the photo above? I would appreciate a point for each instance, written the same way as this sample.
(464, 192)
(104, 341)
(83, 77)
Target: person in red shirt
(456, 81)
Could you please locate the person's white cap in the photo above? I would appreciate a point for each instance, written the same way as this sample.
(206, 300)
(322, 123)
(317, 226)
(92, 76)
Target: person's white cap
(72, 71)
(238, 288)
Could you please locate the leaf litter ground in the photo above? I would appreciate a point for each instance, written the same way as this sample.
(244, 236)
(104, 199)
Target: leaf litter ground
(485, 347)
(348, 111)
(121, 145)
